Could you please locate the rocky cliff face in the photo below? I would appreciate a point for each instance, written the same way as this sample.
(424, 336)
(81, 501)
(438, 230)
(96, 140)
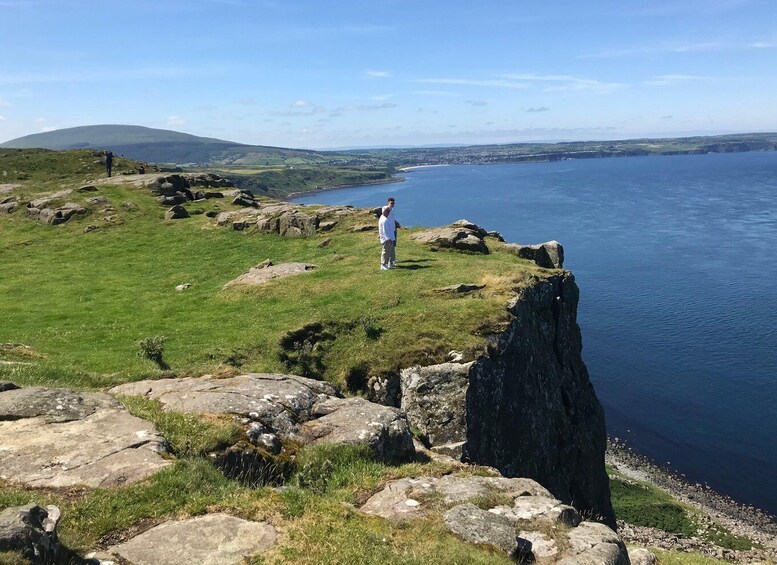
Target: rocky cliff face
(529, 407)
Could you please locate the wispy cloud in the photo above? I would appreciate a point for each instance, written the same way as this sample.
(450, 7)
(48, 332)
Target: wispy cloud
(95, 75)
(562, 83)
(176, 121)
(494, 83)
(4, 102)
(476, 102)
(664, 80)
(436, 93)
(537, 109)
(679, 48)
(2, 118)
(524, 81)
(377, 74)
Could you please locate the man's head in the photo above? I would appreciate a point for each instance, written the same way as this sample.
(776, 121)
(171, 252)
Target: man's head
(390, 202)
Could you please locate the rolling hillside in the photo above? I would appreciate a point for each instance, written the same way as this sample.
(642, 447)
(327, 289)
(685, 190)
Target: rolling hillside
(166, 146)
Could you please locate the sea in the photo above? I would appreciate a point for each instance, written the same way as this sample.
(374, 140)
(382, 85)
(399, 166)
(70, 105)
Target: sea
(676, 260)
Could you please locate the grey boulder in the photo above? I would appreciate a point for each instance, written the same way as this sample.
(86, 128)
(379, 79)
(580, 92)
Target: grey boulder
(61, 438)
(30, 530)
(549, 255)
(213, 539)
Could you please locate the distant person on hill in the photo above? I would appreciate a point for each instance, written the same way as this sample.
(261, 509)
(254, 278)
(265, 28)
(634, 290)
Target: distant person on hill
(108, 162)
(387, 232)
(390, 207)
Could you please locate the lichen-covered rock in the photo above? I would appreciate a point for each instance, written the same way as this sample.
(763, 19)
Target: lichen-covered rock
(461, 235)
(435, 400)
(59, 438)
(297, 224)
(291, 407)
(482, 527)
(592, 543)
(549, 255)
(256, 276)
(640, 556)
(411, 497)
(356, 420)
(532, 508)
(213, 539)
(32, 531)
(55, 216)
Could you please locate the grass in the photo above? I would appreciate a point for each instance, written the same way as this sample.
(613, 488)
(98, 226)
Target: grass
(642, 504)
(189, 435)
(82, 301)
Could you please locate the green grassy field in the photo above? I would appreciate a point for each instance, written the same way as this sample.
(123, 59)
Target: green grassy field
(82, 301)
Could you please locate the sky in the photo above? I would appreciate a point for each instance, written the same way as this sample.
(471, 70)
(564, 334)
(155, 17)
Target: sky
(338, 74)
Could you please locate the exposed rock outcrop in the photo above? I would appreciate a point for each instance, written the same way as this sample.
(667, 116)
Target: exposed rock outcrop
(292, 408)
(516, 516)
(461, 235)
(54, 216)
(32, 531)
(261, 275)
(58, 438)
(549, 255)
(211, 539)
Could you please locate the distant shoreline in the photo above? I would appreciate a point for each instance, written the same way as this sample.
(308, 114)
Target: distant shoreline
(413, 167)
(294, 195)
(741, 519)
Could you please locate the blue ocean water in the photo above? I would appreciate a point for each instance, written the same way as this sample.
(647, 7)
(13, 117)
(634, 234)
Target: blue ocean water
(676, 259)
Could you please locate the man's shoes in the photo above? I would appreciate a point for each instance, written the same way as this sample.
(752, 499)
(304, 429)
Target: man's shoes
(384, 268)
(392, 265)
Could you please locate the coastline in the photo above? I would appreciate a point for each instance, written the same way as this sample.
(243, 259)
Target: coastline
(413, 167)
(740, 519)
(294, 195)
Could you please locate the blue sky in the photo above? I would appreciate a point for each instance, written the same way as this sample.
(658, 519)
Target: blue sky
(346, 73)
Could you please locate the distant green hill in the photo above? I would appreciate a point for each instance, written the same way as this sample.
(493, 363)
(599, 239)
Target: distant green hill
(166, 146)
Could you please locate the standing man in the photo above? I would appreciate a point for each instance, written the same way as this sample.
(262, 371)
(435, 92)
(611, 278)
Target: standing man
(390, 207)
(108, 162)
(387, 232)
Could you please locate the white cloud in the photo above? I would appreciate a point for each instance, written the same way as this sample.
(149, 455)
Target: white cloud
(477, 102)
(568, 83)
(469, 82)
(2, 118)
(48, 128)
(524, 80)
(301, 104)
(538, 109)
(679, 48)
(664, 80)
(4, 102)
(176, 121)
(377, 74)
(435, 93)
(40, 120)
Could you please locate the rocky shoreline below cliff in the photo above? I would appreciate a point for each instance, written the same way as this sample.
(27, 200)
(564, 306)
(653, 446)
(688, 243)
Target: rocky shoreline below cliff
(740, 519)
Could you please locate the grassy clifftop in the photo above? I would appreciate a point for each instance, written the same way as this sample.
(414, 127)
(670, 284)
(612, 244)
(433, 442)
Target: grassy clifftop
(81, 301)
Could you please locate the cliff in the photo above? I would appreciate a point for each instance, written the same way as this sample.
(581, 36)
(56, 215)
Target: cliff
(526, 408)
(531, 408)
